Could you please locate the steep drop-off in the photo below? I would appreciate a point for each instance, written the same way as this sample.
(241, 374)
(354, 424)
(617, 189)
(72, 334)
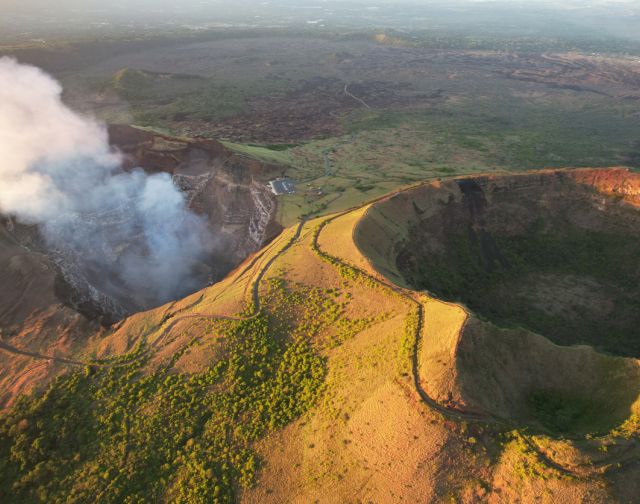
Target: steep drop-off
(554, 252)
(43, 290)
(546, 252)
(536, 260)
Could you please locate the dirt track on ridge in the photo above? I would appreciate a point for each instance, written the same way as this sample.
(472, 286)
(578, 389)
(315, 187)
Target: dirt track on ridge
(210, 316)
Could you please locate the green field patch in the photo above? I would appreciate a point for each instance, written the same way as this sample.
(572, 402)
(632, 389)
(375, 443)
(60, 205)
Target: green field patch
(268, 154)
(136, 435)
(562, 414)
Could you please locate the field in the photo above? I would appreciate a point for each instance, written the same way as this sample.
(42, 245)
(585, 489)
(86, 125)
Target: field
(355, 115)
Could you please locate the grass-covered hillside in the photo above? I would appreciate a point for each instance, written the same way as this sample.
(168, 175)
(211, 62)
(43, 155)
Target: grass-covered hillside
(309, 375)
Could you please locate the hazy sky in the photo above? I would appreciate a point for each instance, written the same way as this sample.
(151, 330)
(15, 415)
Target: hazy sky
(619, 18)
(102, 5)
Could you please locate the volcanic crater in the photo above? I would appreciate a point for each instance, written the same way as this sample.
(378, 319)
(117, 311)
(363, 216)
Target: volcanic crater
(229, 191)
(545, 269)
(556, 252)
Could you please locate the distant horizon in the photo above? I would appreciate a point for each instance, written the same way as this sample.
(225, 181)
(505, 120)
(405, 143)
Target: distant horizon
(34, 19)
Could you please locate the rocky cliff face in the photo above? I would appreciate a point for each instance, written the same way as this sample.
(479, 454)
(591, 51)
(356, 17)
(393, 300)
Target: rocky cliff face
(618, 182)
(230, 191)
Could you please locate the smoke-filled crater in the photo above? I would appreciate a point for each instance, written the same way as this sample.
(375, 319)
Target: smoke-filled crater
(127, 219)
(557, 253)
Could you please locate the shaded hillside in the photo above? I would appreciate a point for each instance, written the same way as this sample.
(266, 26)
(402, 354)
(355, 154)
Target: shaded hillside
(552, 252)
(547, 252)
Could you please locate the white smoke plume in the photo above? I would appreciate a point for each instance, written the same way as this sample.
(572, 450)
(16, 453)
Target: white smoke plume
(57, 170)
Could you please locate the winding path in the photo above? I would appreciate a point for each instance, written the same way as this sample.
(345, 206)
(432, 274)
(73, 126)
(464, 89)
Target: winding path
(255, 297)
(35, 355)
(351, 95)
(448, 412)
(415, 367)
(255, 291)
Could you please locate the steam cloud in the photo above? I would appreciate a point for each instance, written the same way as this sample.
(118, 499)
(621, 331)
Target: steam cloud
(57, 170)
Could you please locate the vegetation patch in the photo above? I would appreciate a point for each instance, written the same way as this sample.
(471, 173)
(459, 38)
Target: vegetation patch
(120, 434)
(528, 463)
(563, 414)
(317, 313)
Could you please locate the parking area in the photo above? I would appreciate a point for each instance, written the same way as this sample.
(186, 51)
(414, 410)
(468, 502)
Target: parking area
(282, 186)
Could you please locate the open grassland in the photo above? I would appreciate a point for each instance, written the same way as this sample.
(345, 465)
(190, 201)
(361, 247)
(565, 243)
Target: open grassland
(356, 116)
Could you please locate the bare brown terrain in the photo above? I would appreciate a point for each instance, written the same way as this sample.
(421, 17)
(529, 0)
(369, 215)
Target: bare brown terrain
(315, 109)
(407, 80)
(578, 72)
(279, 89)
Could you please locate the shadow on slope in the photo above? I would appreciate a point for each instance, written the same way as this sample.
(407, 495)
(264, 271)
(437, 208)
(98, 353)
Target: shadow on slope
(553, 253)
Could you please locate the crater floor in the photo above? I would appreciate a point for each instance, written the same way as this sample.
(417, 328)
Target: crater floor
(544, 252)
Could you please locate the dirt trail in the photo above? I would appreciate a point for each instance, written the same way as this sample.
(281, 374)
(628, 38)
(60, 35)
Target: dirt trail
(351, 95)
(35, 355)
(409, 296)
(451, 413)
(209, 316)
(255, 291)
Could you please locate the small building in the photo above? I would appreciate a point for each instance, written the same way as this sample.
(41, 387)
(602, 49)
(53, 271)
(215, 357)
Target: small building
(282, 186)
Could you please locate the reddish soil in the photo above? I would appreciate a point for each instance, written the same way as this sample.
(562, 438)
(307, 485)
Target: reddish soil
(613, 182)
